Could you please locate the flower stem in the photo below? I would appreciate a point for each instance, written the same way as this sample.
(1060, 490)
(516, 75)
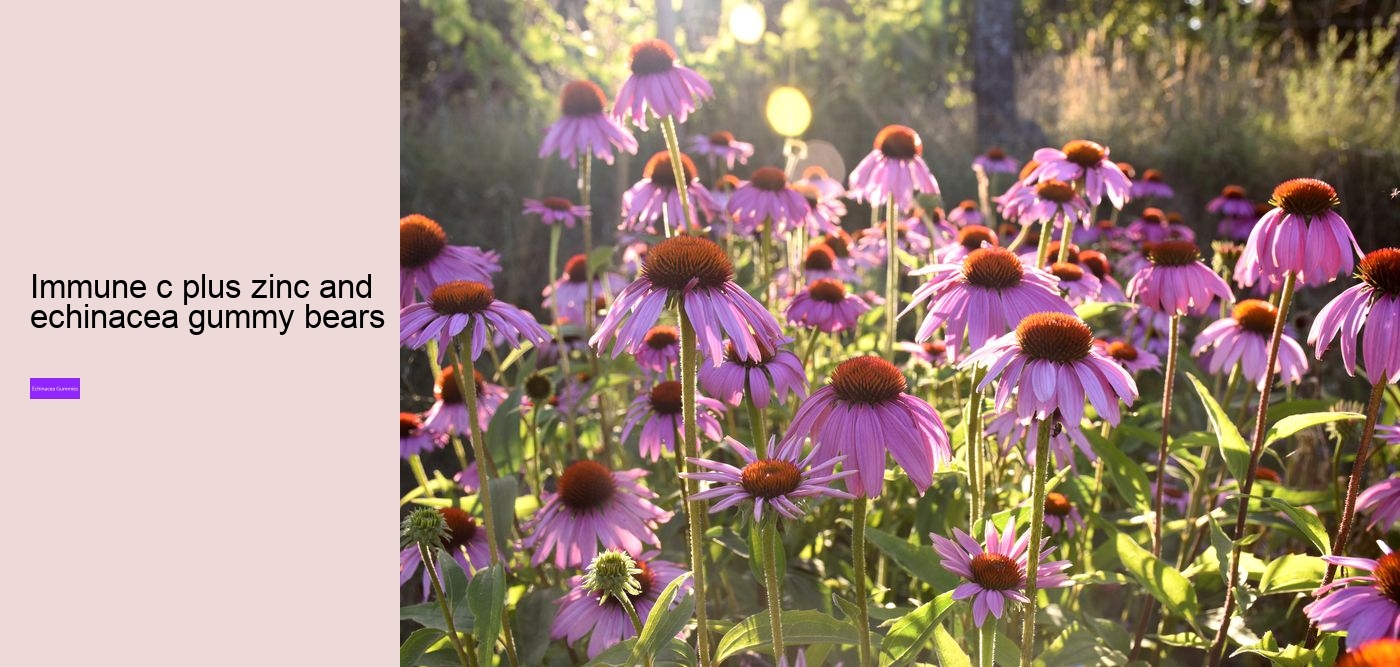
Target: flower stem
(585, 195)
(1042, 251)
(1173, 341)
(756, 425)
(428, 562)
(570, 433)
(975, 457)
(632, 616)
(1042, 461)
(690, 356)
(478, 443)
(416, 463)
(1217, 649)
(673, 148)
(1066, 235)
(987, 644)
(1358, 472)
(773, 583)
(862, 593)
(891, 278)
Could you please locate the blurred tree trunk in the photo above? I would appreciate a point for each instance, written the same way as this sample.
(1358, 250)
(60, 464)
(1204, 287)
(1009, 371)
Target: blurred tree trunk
(666, 21)
(994, 70)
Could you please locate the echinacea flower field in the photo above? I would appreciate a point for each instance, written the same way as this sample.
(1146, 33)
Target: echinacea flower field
(746, 406)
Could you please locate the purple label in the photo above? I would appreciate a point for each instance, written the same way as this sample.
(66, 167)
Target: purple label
(54, 388)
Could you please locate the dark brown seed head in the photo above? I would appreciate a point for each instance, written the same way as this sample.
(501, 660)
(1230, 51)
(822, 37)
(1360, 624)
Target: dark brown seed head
(839, 242)
(1057, 504)
(726, 183)
(652, 56)
(1381, 270)
(827, 290)
(1053, 252)
(577, 268)
(663, 175)
(666, 398)
(1122, 351)
(1232, 192)
(721, 138)
(661, 337)
(1055, 337)
(1067, 271)
(582, 98)
(819, 257)
(420, 240)
(461, 297)
(995, 572)
(1096, 262)
(994, 268)
(1056, 191)
(770, 179)
(1384, 652)
(1026, 169)
(1174, 253)
(586, 485)
(995, 153)
(675, 262)
(899, 142)
(1126, 168)
(1387, 574)
(1152, 176)
(770, 478)
(973, 236)
(868, 380)
(1084, 153)
(461, 527)
(1154, 215)
(409, 424)
(1305, 196)
(449, 392)
(538, 387)
(1255, 316)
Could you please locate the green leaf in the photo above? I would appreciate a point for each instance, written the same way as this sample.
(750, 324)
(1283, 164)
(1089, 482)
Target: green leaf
(847, 607)
(504, 491)
(1161, 580)
(916, 560)
(1295, 655)
(665, 621)
(1128, 477)
(1292, 573)
(910, 633)
(486, 596)
(1290, 425)
(417, 644)
(949, 653)
(799, 627)
(1185, 640)
(674, 652)
(1307, 522)
(1092, 309)
(1223, 548)
(755, 546)
(502, 435)
(1233, 448)
(533, 615)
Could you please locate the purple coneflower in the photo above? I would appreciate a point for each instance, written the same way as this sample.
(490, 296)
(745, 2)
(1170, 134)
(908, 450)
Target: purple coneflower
(413, 438)
(1374, 305)
(594, 505)
(983, 296)
(779, 372)
(722, 145)
(465, 543)
(1051, 357)
(894, 170)
(766, 198)
(1054, 202)
(1177, 282)
(660, 349)
(658, 412)
(1232, 203)
(1097, 263)
(1079, 286)
(449, 414)
(1301, 234)
(966, 213)
(553, 210)
(1089, 161)
(825, 213)
(932, 352)
(825, 305)
(780, 481)
(426, 261)
(1012, 202)
(1061, 514)
(1243, 338)
(584, 613)
(1128, 356)
(1389, 434)
(1151, 185)
(996, 572)
(909, 237)
(818, 262)
(995, 161)
(1369, 610)
(1155, 226)
(830, 188)
(864, 412)
(697, 274)
(583, 127)
(720, 194)
(572, 289)
(453, 307)
(971, 237)
(1382, 501)
(656, 199)
(659, 84)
